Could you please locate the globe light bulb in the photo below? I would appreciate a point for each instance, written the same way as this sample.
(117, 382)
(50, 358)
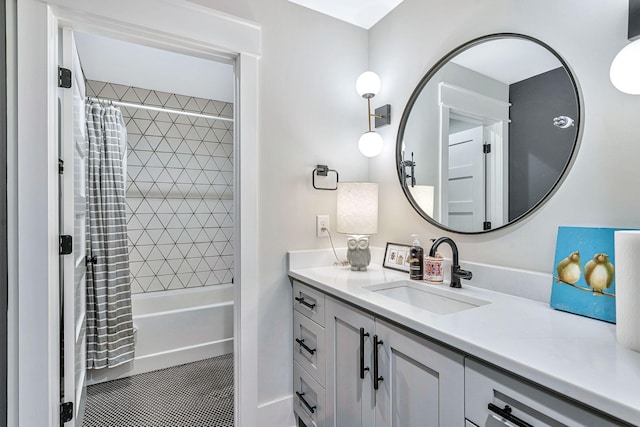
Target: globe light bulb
(625, 69)
(370, 144)
(368, 84)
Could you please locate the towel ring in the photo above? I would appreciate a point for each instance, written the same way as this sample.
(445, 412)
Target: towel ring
(323, 170)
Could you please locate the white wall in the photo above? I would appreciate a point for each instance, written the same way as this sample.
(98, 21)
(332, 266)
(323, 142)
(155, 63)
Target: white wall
(310, 114)
(600, 190)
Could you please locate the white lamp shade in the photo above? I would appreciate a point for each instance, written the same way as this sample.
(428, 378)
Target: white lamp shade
(368, 83)
(370, 144)
(423, 195)
(625, 69)
(357, 208)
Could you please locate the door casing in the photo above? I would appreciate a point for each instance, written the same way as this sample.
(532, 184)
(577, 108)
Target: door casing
(3, 218)
(174, 25)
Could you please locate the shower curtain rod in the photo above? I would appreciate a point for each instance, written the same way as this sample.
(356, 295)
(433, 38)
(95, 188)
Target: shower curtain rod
(164, 110)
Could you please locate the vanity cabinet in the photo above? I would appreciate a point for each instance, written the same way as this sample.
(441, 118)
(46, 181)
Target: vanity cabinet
(353, 369)
(494, 398)
(309, 354)
(350, 397)
(423, 382)
(381, 375)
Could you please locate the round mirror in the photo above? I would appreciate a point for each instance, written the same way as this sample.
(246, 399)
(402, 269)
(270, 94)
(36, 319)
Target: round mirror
(488, 134)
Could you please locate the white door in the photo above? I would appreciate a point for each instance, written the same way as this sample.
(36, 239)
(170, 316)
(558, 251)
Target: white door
(349, 399)
(73, 222)
(466, 181)
(423, 383)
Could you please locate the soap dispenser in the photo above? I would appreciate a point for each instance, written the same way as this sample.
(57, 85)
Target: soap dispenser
(416, 256)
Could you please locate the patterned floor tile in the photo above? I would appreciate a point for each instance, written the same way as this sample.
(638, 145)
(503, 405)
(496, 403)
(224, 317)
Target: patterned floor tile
(198, 394)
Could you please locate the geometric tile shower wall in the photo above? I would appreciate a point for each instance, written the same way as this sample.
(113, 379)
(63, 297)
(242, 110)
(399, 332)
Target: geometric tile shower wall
(179, 189)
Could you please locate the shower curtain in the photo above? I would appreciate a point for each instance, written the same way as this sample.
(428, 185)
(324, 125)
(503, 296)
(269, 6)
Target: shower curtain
(109, 322)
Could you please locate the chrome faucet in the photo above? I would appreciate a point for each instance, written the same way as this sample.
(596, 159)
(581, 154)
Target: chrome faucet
(457, 273)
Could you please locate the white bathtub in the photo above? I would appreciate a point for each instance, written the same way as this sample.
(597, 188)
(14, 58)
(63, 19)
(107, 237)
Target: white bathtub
(176, 327)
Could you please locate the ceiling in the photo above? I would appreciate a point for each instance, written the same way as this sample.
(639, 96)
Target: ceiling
(363, 13)
(508, 60)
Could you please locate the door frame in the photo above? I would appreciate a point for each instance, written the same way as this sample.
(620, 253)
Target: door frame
(174, 25)
(494, 114)
(4, 296)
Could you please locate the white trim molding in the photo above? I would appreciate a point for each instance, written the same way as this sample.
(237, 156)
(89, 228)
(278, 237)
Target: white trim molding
(493, 115)
(164, 23)
(278, 412)
(246, 231)
(175, 25)
(38, 318)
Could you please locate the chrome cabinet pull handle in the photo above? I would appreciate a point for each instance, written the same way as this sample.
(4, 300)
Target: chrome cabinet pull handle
(311, 409)
(303, 345)
(303, 302)
(363, 369)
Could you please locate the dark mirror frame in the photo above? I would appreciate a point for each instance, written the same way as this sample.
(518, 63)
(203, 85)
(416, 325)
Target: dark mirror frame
(427, 77)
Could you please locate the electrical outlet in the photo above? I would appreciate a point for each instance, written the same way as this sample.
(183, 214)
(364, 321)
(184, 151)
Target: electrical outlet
(322, 221)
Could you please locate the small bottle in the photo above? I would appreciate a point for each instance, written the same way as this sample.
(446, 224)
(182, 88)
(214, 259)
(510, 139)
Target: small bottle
(416, 255)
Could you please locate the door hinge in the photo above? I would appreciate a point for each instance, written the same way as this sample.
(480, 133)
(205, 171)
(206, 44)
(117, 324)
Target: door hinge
(66, 412)
(66, 244)
(60, 166)
(64, 77)
(486, 225)
(486, 148)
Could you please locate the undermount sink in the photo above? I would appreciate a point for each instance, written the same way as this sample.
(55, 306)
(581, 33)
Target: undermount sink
(438, 301)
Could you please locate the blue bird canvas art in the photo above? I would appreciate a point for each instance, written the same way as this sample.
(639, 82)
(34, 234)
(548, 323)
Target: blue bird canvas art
(584, 272)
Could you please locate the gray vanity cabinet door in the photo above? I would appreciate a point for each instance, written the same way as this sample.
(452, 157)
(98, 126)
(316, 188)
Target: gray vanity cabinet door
(529, 403)
(349, 398)
(422, 382)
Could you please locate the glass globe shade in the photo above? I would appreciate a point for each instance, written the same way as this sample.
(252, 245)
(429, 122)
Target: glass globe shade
(625, 69)
(370, 144)
(368, 84)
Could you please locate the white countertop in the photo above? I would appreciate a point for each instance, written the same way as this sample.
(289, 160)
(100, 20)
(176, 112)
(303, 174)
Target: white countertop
(573, 355)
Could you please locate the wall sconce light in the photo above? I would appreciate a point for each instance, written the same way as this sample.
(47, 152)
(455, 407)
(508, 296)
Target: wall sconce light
(625, 68)
(370, 143)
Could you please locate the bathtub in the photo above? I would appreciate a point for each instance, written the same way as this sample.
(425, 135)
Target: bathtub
(176, 327)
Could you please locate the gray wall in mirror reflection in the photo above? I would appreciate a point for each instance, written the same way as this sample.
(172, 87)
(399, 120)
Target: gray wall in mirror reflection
(538, 150)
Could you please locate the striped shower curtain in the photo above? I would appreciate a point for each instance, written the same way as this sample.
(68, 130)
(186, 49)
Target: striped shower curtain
(109, 323)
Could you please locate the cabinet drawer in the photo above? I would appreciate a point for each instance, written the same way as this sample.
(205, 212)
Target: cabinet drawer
(309, 302)
(485, 385)
(308, 398)
(309, 346)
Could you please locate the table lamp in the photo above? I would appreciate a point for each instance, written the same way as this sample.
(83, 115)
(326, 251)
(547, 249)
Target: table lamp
(357, 212)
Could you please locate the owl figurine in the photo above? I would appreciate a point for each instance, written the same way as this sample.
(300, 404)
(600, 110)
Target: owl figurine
(598, 273)
(358, 253)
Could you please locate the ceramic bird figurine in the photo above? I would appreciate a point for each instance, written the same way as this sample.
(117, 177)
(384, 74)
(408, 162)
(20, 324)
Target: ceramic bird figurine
(598, 273)
(358, 252)
(569, 268)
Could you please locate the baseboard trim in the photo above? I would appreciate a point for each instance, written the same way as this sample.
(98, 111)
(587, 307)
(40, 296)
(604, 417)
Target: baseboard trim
(278, 412)
(165, 359)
